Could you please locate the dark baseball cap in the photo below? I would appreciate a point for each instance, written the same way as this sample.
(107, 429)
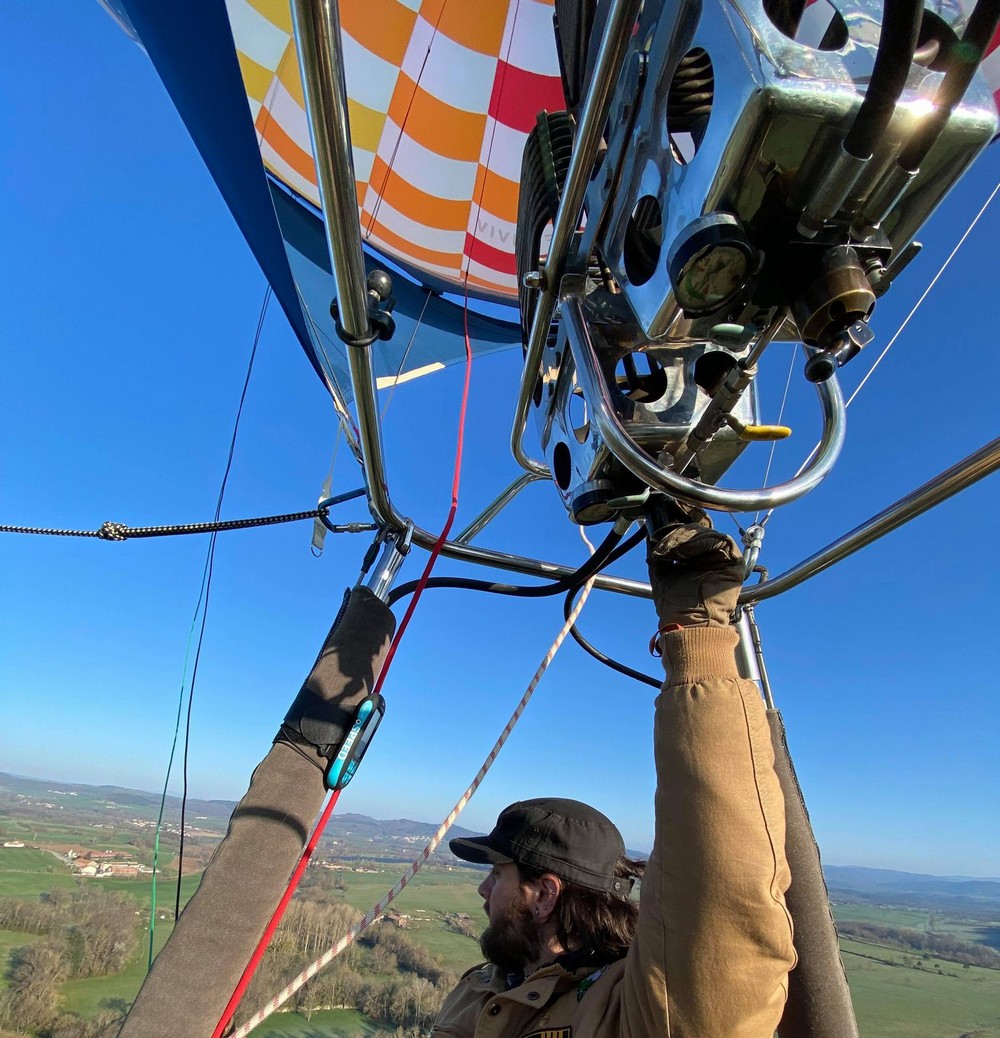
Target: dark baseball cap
(564, 837)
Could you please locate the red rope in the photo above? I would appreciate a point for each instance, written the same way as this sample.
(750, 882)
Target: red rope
(443, 536)
(279, 912)
(300, 868)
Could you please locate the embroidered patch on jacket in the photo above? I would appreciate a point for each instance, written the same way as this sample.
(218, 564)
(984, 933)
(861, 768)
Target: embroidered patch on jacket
(587, 982)
(552, 1032)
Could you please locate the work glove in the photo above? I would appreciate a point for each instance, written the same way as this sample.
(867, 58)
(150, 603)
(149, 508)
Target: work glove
(696, 574)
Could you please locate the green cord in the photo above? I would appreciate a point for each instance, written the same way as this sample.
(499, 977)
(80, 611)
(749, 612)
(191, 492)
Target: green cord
(170, 764)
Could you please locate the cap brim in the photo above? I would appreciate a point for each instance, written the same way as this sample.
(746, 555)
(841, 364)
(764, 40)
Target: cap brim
(478, 850)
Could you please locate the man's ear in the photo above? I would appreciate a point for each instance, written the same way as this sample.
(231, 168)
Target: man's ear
(547, 891)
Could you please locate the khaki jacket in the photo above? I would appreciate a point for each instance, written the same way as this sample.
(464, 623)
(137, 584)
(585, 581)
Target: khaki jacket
(713, 945)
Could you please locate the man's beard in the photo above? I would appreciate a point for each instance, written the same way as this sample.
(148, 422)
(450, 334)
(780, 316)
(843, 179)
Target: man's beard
(510, 941)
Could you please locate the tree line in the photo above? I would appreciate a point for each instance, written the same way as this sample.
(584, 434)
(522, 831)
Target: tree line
(383, 974)
(91, 932)
(87, 932)
(944, 946)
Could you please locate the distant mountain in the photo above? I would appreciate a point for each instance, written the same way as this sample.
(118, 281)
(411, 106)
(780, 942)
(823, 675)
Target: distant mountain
(357, 835)
(145, 804)
(912, 889)
(362, 825)
(139, 802)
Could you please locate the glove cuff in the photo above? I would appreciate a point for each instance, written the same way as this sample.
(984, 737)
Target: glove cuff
(696, 654)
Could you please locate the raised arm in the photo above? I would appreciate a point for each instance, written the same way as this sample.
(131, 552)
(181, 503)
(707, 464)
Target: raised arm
(714, 942)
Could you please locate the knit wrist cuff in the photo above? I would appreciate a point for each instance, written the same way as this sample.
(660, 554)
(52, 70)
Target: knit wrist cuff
(695, 654)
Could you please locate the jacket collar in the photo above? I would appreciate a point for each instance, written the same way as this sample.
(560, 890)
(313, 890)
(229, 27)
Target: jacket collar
(565, 971)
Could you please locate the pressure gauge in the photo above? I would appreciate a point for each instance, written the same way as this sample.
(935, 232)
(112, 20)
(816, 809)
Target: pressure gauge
(710, 263)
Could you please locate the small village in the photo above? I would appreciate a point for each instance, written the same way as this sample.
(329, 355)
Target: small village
(91, 863)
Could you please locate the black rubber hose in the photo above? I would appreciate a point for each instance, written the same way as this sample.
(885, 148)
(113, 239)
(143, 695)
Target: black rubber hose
(621, 668)
(896, 44)
(963, 60)
(607, 552)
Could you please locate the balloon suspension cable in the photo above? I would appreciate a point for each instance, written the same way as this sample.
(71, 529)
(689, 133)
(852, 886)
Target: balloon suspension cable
(781, 414)
(916, 305)
(201, 607)
(406, 353)
(328, 956)
(317, 833)
(347, 424)
(906, 321)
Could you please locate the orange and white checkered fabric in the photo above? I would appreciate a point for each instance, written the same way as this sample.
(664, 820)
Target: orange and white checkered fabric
(441, 96)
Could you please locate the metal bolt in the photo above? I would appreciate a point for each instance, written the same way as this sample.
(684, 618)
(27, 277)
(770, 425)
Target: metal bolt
(534, 279)
(875, 270)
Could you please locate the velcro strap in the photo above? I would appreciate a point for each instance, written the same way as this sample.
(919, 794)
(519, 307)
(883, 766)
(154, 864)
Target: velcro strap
(317, 722)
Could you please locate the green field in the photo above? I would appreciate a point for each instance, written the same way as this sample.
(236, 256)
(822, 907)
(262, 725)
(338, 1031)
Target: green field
(76, 835)
(904, 918)
(893, 998)
(431, 895)
(434, 889)
(332, 1023)
(26, 859)
(9, 939)
(899, 1001)
(27, 873)
(914, 919)
(85, 997)
(141, 889)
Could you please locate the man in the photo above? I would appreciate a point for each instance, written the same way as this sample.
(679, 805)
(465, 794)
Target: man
(707, 951)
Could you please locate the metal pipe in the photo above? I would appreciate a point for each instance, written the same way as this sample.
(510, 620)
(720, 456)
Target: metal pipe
(387, 516)
(532, 567)
(317, 36)
(750, 654)
(491, 511)
(963, 61)
(316, 25)
(970, 470)
(593, 117)
(370, 430)
(394, 552)
(595, 391)
(841, 173)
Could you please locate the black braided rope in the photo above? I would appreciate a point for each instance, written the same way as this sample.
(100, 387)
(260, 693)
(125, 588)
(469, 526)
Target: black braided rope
(110, 531)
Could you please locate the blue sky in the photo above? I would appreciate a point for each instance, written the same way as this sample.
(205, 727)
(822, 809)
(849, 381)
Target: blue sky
(128, 302)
